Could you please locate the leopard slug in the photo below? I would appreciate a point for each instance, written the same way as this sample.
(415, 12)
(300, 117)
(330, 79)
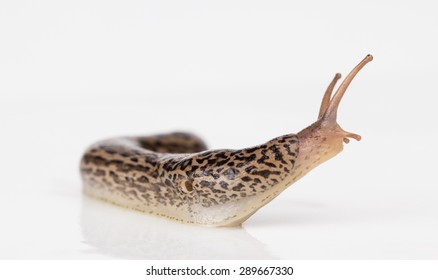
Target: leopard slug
(175, 176)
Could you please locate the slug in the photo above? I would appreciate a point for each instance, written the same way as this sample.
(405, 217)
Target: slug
(176, 177)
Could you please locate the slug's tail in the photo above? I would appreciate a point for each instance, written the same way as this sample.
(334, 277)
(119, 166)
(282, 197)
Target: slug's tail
(329, 105)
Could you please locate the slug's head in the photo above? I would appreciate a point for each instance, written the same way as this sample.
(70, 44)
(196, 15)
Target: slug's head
(324, 139)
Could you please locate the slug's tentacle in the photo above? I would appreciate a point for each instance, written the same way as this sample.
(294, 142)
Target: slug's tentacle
(174, 176)
(328, 93)
(332, 110)
(324, 139)
(329, 117)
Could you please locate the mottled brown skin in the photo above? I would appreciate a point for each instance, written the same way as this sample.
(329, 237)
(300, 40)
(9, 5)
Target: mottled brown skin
(175, 176)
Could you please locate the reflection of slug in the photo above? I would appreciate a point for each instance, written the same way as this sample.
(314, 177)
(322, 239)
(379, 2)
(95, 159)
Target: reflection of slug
(111, 232)
(173, 175)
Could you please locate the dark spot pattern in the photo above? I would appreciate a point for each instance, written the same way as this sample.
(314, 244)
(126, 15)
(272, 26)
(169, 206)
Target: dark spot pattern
(175, 172)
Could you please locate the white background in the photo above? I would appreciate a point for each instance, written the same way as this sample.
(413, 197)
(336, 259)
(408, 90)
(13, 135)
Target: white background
(237, 73)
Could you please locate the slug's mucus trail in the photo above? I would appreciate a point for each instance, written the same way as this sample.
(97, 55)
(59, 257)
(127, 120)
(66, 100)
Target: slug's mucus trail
(176, 177)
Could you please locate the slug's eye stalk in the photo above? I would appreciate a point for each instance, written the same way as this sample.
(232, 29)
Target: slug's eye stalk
(328, 94)
(329, 106)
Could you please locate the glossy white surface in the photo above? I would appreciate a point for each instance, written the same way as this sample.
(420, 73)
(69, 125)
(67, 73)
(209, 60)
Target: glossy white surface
(74, 74)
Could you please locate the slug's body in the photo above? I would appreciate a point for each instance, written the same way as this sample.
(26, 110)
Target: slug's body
(176, 177)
